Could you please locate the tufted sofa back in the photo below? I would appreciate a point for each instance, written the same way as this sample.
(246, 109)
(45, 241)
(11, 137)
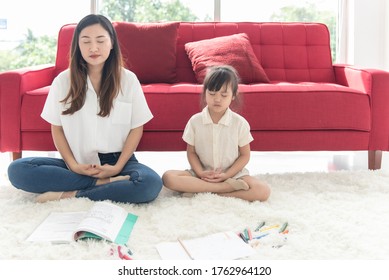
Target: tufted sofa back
(65, 36)
(291, 52)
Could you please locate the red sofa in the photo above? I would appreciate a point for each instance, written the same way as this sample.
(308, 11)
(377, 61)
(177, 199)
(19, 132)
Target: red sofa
(295, 98)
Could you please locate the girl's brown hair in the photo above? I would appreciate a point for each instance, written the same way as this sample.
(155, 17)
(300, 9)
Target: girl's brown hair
(111, 76)
(217, 77)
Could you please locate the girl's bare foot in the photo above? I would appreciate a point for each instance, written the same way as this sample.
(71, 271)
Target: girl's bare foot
(237, 184)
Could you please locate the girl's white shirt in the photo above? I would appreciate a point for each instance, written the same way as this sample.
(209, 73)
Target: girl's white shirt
(89, 134)
(217, 145)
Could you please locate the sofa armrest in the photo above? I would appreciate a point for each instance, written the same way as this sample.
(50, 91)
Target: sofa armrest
(375, 83)
(13, 84)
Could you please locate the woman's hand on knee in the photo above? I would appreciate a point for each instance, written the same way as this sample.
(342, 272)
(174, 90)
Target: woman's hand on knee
(106, 171)
(85, 169)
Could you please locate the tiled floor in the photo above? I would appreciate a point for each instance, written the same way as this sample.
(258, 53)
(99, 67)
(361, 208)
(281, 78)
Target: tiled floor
(260, 162)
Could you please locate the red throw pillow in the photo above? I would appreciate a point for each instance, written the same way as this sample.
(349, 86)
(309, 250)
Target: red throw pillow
(149, 50)
(234, 50)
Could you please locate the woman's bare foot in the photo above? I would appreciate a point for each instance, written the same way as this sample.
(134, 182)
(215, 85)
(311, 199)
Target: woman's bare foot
(119, 178)
(51, 196)
(112, 179)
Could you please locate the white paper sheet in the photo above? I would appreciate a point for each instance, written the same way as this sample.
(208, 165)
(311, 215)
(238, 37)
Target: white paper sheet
(219, 246)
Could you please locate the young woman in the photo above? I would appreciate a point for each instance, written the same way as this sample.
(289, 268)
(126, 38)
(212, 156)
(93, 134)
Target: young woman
(97, 110)
(218, 145)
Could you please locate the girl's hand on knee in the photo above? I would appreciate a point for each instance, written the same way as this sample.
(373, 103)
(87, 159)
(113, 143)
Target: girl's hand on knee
(214, 176)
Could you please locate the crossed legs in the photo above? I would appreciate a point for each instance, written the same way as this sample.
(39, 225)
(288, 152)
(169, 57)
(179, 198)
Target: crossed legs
(247, 188)
(50, 196)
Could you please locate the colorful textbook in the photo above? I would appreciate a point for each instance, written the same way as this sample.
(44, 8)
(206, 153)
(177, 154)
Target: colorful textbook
(104, 220)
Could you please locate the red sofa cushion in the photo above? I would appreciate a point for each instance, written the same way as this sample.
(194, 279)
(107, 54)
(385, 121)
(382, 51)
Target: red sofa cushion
(149, 50)
(275, 106)
(31, 108)
(282, 106)
(305, 106)
(172, 105)
(234, 50)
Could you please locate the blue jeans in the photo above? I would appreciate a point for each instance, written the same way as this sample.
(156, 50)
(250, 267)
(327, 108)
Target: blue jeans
(43, 174)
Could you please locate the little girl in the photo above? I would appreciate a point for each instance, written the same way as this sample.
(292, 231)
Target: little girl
(218, 145)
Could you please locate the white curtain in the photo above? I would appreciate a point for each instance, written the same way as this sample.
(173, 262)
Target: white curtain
(94, 6)
(217, 10)
(343, 44)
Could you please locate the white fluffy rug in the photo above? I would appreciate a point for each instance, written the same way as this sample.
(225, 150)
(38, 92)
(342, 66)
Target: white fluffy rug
(336, 215)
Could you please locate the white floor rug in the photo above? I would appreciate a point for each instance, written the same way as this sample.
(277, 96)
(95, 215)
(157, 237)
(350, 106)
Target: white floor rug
(336, 215)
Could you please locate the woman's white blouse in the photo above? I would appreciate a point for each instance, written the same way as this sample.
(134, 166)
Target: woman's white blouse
(89, 134)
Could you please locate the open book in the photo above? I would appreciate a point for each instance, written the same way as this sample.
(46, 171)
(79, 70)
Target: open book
(218, 246)
(103, 221)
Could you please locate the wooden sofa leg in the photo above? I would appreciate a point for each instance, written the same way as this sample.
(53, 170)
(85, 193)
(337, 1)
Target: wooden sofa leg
(16, 155)
(375, 158)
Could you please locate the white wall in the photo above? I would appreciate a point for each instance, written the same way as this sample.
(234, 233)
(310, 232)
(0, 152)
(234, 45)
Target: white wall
(368, 34)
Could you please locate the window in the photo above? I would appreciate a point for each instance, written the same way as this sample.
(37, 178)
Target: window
(156, 10)
(278, 10)
(28, 36)
(324, 11)
(29, 29)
